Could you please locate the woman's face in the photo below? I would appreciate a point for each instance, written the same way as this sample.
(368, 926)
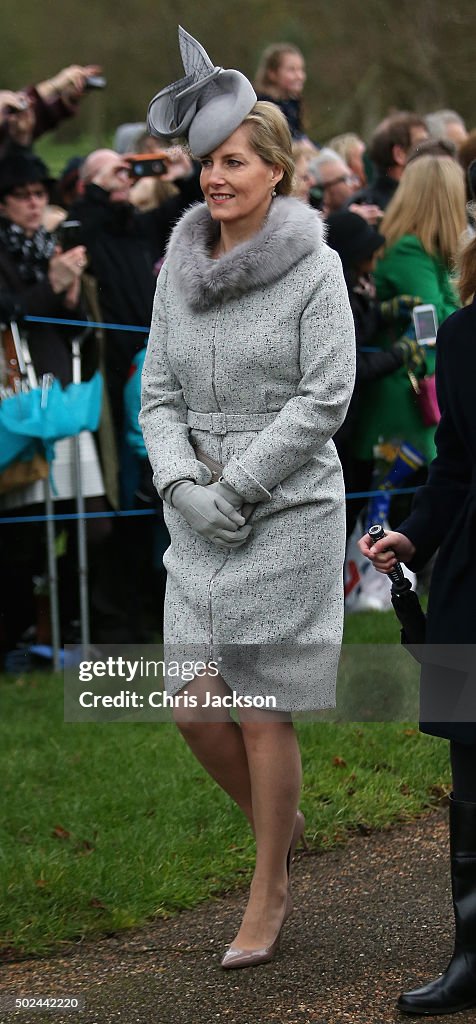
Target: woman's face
(356, 161)
(303, 179)
(290, 76)
(237, 183)
(25, 206)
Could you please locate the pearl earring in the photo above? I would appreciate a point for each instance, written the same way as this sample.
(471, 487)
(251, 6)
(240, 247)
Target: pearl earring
(273, 194)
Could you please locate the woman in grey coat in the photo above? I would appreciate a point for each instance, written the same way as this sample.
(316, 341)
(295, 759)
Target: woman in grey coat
(250, 367)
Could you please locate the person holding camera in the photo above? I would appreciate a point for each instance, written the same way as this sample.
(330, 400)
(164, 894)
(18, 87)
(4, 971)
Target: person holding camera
(30, 112)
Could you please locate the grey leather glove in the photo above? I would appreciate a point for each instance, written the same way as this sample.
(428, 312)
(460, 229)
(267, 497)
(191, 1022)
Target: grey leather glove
(228, 493)
(210, 513)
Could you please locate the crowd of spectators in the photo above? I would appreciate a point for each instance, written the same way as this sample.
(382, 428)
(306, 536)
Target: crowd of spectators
(91, 244)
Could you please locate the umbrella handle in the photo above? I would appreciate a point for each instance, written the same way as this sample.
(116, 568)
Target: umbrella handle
(400, 582)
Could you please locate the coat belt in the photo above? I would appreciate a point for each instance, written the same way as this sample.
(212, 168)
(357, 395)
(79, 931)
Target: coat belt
(224, 423)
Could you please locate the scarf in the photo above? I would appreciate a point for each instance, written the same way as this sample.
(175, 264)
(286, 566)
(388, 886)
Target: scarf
(31, 255)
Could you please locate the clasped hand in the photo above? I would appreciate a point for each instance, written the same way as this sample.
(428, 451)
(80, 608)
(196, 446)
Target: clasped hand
(212, 510)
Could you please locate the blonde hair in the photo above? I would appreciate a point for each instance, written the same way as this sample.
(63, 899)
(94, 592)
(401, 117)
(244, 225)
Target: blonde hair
(344, 145)
(271, 60)
(303, 147)
(430, 204)
(270, 138)
(467, 272)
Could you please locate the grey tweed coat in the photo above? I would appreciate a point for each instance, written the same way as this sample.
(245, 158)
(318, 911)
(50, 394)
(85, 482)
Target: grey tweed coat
(251, 357)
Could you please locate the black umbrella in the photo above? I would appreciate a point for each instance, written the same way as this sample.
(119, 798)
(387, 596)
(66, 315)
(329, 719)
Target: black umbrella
(405, 601)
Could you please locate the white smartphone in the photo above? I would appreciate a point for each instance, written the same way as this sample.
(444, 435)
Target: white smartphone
(426, 324)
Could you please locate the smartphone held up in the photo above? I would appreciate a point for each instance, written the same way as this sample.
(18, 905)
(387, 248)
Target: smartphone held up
(426, 324)
(70, 234)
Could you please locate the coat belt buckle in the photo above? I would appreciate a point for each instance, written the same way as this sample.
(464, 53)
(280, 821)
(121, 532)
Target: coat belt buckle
(218, 423)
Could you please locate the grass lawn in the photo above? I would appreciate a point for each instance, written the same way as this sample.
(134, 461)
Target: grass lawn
(104, 825)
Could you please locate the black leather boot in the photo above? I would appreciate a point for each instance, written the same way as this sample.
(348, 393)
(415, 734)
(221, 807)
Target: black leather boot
(456, 988)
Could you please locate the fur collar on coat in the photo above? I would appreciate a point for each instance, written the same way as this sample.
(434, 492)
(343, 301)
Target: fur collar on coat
(291, 231)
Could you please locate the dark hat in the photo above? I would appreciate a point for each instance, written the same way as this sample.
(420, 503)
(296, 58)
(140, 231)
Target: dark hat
(17, 169)
(206, 106)
(351, 236)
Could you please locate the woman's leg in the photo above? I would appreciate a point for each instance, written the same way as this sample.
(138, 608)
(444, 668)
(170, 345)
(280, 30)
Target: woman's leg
(258, 764)
(275, 775)
(217, 742)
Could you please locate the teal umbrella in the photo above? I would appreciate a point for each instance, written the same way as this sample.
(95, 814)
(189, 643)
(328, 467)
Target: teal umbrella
(47, 414)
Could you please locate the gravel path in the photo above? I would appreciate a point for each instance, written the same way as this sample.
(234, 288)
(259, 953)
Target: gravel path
(369, 919)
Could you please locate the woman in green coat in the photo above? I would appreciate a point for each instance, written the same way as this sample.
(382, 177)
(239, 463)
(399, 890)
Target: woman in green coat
(422, 226)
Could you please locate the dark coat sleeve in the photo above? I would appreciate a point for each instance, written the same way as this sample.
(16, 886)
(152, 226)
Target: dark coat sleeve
(36, 299)
(436, 505)
(48, 115)
(368, 322)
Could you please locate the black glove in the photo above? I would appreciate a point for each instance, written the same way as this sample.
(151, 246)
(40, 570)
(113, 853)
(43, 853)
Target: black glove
(412, 355)
(398, 308)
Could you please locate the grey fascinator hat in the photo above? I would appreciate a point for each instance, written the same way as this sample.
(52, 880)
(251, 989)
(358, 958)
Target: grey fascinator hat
(205, 106)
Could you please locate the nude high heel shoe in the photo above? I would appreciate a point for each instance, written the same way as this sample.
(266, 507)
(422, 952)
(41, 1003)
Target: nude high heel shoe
(253, 957)
(235, 957)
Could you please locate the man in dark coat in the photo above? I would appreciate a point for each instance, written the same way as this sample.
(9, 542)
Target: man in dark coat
(389, 148)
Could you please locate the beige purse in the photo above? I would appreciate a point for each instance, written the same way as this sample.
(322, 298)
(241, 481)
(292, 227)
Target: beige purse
(216, 469)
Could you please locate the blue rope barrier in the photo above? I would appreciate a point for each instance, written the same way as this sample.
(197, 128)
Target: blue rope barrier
(85, 323)
(61, 517)
(125, 513)
(382, 490)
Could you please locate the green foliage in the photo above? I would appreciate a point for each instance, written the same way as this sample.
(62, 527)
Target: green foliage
(362, 60)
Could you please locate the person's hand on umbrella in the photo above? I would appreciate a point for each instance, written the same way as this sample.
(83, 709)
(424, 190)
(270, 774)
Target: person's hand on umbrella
(209, 513)
(385, 553)
(64, 273)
